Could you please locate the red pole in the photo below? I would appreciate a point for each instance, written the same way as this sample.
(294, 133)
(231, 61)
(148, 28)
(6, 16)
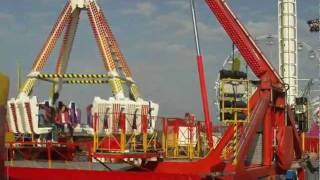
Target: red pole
(144, 123)
(89, 152)
(202, 80)
(165, 126)
(49, 151)
(302, 174)
(205, 104)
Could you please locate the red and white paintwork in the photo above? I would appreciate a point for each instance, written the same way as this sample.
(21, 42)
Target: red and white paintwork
(267, 105)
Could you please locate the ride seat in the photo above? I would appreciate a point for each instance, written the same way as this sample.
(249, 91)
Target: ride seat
(29, 110)
(12, 118)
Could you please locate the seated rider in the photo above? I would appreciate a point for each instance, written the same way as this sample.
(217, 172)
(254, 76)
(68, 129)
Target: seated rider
(62, 118)
(47, 115)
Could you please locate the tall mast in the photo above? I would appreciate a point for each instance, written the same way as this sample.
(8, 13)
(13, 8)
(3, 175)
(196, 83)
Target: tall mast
(288, 56)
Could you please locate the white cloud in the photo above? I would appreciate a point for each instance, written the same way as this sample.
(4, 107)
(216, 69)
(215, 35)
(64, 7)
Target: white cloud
(143, 9)
(182, 27)
(183, 4)
(261, 28)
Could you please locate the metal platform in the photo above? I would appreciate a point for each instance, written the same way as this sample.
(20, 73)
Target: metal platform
(69, 165)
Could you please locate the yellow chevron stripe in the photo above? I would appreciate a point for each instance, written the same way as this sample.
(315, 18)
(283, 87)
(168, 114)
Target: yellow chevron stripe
(72, 75)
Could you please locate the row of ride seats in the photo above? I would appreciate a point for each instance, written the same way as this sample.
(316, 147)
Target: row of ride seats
(23, 116)
(108, 112)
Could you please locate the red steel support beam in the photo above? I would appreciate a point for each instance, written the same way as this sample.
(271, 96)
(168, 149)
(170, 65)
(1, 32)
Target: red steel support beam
(242, 39)
(114, 44)
(213, 161)
(48, 47)
(267, 138)
(98, 34)
(53, 38)
(256, 119)
(205, 103)
(202, 166)
(67, 43)
(296, 139)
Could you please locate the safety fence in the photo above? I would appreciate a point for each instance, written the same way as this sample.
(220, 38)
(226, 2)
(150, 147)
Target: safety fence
(49, 151)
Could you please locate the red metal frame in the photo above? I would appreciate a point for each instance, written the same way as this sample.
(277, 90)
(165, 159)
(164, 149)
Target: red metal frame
(64, 150)
(241, 38)
(267, 107)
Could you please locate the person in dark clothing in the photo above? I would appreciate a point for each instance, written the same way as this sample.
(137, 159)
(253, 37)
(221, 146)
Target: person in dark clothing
(46, 115)
(62, 119)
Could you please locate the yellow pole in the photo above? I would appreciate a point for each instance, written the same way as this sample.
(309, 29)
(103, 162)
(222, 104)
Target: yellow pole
(164, 144)
(190, 150)
(19, 78)
(4, 89)
(94, 142)
(175, 144)
(155, 135)
(190, 143)
(32, 138)
(122, 141)
(133, 141)
(199, 145)
(145, 142)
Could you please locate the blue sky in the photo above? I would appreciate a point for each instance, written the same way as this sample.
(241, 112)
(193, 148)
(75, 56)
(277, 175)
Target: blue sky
(156, 38)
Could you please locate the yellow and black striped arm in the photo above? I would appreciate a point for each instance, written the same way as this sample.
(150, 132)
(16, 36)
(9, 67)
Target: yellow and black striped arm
(86, 81)
(72, 76)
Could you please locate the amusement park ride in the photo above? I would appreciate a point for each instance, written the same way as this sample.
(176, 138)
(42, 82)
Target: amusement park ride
(122, 128)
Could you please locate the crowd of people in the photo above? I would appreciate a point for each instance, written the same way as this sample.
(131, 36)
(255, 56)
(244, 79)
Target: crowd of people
(60, 118)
